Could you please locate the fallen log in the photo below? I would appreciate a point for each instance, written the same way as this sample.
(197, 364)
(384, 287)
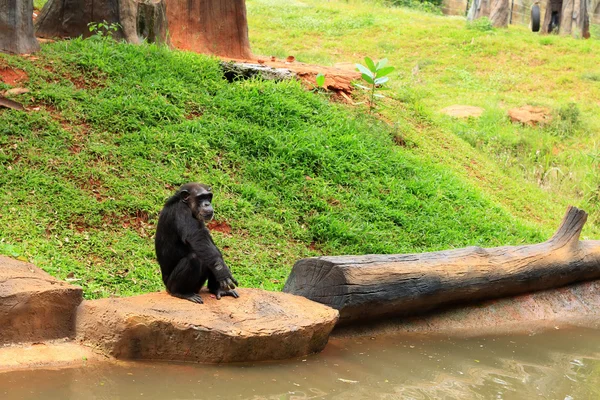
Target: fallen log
(376, 286)
(8, 103)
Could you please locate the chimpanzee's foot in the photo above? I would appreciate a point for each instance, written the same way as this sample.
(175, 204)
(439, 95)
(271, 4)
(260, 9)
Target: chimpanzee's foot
(220, 292)
(193, 297)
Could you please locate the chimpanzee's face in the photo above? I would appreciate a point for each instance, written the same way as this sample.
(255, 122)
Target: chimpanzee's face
(198, 197)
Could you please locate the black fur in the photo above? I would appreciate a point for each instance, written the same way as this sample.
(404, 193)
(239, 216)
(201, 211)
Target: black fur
(186, 253)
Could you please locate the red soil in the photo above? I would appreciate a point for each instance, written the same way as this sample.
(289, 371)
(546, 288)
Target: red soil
(12, 76)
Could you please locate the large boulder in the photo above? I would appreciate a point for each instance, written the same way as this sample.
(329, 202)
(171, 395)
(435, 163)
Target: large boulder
(34, 306)
(259, 325)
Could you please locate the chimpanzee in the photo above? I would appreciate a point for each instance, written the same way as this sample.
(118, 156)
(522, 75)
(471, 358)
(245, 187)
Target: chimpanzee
(185, 250)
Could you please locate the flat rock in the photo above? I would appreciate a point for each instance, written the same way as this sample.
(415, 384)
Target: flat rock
(260, 325)
(530, 115)
(46, 355)
(459, 111)
(34, 306)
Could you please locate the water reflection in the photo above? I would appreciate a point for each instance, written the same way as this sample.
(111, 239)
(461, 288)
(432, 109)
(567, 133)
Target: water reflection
(559, 365)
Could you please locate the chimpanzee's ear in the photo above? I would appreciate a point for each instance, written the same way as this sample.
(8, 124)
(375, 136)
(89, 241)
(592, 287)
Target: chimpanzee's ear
(185, 195)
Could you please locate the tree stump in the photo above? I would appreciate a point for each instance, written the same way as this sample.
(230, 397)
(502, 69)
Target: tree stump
(374, 286)
(210, 26)
(16, 27)
(139, 20)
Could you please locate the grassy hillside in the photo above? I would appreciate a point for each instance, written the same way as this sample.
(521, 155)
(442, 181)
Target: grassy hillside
(114, 129)
(442, 61)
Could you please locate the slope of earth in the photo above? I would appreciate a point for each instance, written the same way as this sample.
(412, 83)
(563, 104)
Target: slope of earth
(111, 130)
(443, 61)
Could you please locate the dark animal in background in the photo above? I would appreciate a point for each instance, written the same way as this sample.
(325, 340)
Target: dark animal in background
(185, 250)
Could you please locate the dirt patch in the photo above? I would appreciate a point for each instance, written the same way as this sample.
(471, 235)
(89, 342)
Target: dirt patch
(94, 185)
(80, 81)
(12, 76)
(75, 149)
(219, 226)
(138, 222)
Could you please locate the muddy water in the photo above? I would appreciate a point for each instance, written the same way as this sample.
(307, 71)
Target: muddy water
(562, 364)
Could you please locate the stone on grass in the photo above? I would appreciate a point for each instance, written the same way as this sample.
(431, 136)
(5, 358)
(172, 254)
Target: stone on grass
(260, 325)
(458, 111)
(530, 115)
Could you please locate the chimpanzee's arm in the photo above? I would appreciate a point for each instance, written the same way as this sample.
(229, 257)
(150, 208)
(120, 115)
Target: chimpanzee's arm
(198, 238)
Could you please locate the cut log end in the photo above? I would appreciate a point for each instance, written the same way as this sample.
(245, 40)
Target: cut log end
(570, 228)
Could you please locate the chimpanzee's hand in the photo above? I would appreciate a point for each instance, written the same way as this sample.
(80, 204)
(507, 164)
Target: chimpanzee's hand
(220, 292)
(226, 288)
(228, 283)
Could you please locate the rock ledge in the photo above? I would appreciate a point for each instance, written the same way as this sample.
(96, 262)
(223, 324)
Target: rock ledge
(258, 326)
(34, 306)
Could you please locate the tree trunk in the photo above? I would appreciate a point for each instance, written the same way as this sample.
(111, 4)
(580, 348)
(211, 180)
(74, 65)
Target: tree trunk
(576, 18)
(478, 9)
(499, 13)
(138, 19)
(583, 20)
(571, 17)
(210, 26)
(566, 17)
(16, 27)
(374, 286)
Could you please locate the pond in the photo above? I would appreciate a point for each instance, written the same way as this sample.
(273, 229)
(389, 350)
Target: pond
(561, 364)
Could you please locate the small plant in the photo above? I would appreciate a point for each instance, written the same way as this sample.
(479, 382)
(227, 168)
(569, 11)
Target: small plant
(569, 113)
(591, 76)
(483, 24)
(103, 29)
(375, 76)
(320, 80)
(568, 121)
(434, 6)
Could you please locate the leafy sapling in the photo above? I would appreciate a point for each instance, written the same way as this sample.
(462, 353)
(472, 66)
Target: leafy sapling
(319, 85)
(320, 80)
(375, 76)
(103, 29)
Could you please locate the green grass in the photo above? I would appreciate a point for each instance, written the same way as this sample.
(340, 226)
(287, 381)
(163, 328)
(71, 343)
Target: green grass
(471, 64)
(114, 129)
(39, 4)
